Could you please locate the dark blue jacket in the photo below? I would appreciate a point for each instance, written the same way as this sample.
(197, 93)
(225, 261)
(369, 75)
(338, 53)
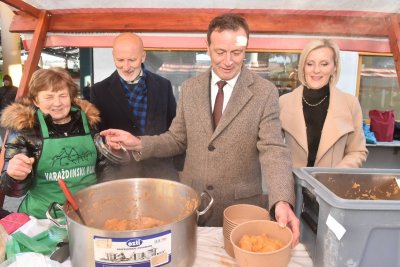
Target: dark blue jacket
(109, 97)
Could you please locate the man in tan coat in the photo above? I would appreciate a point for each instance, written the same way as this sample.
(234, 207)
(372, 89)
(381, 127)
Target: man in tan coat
(227, 158)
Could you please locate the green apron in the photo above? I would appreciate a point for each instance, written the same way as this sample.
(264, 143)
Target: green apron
(72, 158)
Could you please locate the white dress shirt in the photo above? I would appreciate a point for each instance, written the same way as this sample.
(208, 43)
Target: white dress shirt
(228, 88)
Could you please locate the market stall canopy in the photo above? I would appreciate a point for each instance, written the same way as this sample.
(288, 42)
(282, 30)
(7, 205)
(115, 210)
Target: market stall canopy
(367, 24)
(387, 6)
(343, 17)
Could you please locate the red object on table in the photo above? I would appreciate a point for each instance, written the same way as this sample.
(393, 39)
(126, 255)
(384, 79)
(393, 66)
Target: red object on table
(14, 221)
(68, 194)
(382, 124)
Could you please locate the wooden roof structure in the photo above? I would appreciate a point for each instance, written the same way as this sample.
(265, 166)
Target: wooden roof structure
(362, 18)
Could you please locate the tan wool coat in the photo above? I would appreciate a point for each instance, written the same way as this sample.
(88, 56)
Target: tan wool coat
(229, 162)
(342, 142)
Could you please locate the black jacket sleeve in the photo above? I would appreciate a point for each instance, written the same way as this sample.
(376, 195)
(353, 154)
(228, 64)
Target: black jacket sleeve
(17, 143)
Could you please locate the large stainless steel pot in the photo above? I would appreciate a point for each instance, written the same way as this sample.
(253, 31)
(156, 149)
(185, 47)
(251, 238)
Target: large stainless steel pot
(172, 244)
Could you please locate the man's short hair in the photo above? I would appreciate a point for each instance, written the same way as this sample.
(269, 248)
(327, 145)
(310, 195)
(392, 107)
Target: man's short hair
(227, 21)
(7, 78)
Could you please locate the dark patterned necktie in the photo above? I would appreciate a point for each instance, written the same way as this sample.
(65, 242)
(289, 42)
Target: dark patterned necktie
(219, 102)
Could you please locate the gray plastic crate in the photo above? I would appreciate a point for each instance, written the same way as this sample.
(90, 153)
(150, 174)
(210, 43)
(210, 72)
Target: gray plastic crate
(372, 226)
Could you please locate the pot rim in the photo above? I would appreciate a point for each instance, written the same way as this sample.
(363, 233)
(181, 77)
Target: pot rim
(67, 206)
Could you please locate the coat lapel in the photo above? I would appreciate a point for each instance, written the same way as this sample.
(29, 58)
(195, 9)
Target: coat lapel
(338, 122)
(293, 121)
(240, 96)
(152, 100)
(202, 101)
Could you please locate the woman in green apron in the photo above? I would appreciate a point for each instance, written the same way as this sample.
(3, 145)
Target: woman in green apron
(50, 138)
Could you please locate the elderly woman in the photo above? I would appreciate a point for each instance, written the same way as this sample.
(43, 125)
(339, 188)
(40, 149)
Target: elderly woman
(50, 138)
(321, 124)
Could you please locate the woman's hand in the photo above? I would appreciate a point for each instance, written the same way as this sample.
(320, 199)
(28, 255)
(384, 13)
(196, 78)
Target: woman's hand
(115, 138)
(20, 166)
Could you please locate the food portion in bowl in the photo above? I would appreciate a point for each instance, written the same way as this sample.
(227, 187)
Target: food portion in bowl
(260, 243)
(276, 258)
(237, 214)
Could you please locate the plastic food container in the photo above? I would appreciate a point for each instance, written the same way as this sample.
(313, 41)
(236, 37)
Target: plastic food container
(349, 217)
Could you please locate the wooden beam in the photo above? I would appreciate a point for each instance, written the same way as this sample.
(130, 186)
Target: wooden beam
(197, 21)
(38, 39)
(393, 25)
(21, 5)
(2, 195)
(316, 24)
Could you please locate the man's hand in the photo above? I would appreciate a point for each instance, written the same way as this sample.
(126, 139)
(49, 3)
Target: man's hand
(285, 217)
(115, 138)
(20, 166)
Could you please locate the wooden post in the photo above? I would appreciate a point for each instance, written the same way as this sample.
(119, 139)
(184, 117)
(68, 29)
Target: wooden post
(39, 37)
(35, 50)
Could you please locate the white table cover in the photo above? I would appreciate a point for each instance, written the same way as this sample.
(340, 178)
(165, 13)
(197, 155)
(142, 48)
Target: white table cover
(210, 247)
(211, 252)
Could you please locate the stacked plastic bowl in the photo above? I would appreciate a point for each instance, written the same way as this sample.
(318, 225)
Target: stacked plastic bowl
(237, 214)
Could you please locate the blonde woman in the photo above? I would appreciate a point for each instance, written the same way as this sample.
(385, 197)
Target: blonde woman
(321, 124)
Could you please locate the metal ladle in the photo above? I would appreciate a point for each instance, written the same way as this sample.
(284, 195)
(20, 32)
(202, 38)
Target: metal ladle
(71, 199)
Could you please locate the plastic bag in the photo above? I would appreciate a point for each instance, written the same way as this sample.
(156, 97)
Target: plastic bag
(12, 248)
(30, 259)
(3, 242)
(396, 134)
(14, 221)
(37, 235)
(31, 244)
(52, 237)
(369, 136)
(382, 124)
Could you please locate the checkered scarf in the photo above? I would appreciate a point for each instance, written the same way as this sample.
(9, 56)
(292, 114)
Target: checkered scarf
(137, 99)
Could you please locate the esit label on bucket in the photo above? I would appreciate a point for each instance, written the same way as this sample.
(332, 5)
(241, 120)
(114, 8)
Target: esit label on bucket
(145, 251)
